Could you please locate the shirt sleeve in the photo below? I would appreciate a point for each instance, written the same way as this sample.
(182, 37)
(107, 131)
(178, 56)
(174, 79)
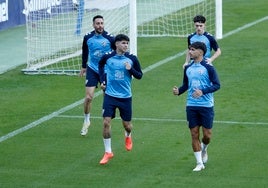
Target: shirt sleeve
(102, 63)
(184, 86)
(213, 76)
(84, 53)
(136, 68)
(213, 43)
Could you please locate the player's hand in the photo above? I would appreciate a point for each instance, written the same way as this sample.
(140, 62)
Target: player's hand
(128, 66)
(175, 90)
(209, 61)
(184, 65)
(103, 85)
(82, 72)
(197, 93)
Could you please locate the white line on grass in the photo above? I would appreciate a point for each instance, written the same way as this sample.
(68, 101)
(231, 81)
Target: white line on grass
(170, 120)
(245, 27)
(149, 68)
(41, 120)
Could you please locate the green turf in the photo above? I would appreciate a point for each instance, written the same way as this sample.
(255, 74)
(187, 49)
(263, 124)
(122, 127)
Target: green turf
(54, 155)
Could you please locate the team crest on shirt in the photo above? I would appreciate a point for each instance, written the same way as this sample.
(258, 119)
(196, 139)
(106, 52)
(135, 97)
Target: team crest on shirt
(98, 53)
(201, 71)
(119, 75)
(104, 43)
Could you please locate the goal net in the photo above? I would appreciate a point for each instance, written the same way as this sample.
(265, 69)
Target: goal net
(55, 28)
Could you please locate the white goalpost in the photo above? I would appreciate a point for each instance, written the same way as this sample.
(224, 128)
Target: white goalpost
(55, 28)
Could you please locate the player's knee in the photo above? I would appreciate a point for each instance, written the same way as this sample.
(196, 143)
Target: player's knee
(194, 133)
(207, 134)
(89, 98)
(106, 123)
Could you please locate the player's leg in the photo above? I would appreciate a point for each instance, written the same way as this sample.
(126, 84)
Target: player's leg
(125, 109)
(92, 79)
(107, 134)
(128, 138)
(197, 148)
(195, 138)
(107, 141)
(205, 141)
(194, 122)
(196, 144)
(108, 113)
(88, 102)
(87, 108)
(207, 123)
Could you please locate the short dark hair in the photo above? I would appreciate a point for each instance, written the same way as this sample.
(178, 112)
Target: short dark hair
(199, 19)
(97, 16)
(121, 37)
(199, 45)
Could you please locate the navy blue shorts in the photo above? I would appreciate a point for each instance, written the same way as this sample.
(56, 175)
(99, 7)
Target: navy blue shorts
(92, 78)
(200, 116)
(123, 104)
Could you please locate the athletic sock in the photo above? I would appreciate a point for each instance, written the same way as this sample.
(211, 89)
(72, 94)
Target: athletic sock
(204, 147)
(87, 118)
(127, 134)
(107, 145)
(198, 157)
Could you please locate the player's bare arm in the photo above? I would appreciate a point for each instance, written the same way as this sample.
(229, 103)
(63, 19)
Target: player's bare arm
(215, 56)
(82, 72)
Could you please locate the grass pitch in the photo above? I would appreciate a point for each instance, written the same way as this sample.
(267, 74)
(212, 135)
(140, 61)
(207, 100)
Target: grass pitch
(53, 154)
